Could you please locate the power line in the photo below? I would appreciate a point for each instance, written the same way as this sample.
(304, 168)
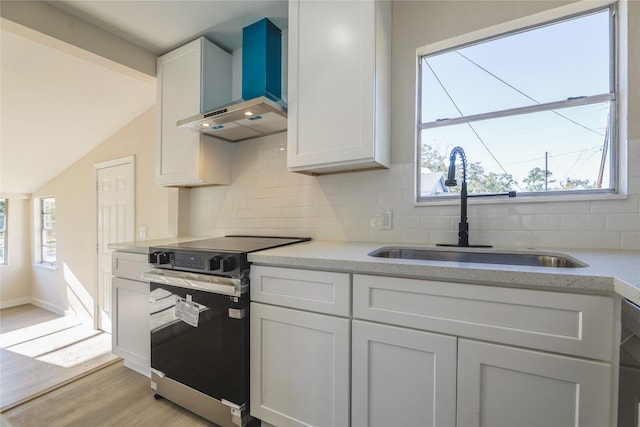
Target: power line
(525, 95)
(568, 153)
(468, 124)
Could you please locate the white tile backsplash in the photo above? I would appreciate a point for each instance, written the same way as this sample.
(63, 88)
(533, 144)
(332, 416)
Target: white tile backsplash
(597, 239)
(622, 222)
(582, 221)
(265, 198)
(630, 240)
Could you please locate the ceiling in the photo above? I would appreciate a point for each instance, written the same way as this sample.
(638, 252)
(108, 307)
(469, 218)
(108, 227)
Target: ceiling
(161, 26)
(58, 101)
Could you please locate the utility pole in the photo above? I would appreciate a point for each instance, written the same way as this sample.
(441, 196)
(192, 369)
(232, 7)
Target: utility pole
(603, 157)
(546, 170)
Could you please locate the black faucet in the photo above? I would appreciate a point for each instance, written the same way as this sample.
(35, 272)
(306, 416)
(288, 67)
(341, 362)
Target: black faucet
(463, 226)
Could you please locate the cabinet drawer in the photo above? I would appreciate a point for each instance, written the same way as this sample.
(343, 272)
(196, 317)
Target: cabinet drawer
(128, 265)
(574, 324)
(321, 291)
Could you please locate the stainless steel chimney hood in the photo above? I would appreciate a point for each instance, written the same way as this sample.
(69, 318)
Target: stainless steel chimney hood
(238, 122)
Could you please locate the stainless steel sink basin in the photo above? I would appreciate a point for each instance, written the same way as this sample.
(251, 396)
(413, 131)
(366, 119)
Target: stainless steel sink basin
(535, 259)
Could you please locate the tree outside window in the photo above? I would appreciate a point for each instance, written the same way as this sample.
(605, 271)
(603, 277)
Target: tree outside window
(533, 109)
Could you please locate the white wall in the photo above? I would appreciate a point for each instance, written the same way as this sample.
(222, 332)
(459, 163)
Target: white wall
(267, 199)
(72, 285)
(15, 277)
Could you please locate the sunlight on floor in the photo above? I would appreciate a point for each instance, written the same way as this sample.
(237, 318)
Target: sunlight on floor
(41, 352)
(79, 352)
(8, 339)
(61, 342)
(67, 348)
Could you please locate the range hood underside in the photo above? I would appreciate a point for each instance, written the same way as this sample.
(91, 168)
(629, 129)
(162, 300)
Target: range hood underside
(238, 122)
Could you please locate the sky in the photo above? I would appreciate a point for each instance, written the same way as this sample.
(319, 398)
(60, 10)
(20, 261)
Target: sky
(551, 63)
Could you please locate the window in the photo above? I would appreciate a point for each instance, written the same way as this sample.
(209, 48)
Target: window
(48, 230)
(3, 231)
(534, 111)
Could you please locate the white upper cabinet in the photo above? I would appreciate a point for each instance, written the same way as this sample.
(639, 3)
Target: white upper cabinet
(192, 79)
(339, 86)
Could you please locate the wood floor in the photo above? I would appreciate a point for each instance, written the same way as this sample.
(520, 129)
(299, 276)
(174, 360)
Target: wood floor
(112, 396)
(103, 394)
(40, 351)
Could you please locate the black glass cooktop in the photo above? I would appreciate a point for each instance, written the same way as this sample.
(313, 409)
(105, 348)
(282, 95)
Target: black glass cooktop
(237, 243)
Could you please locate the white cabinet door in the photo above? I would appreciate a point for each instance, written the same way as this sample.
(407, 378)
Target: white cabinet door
(506, 386)
(339, 85)
(299, 367)
(185, 157)
(402, 377)
(131, 337)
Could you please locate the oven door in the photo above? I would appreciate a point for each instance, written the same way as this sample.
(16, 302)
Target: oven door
(200, 338)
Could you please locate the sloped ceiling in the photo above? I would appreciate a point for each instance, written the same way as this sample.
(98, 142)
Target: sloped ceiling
(57, 105)
(58, 101)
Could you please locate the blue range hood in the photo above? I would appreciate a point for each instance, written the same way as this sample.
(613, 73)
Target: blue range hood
(262, 61)
(263, 112)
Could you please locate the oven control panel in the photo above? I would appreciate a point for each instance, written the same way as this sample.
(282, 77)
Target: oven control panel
(191, 261)
(224, 264)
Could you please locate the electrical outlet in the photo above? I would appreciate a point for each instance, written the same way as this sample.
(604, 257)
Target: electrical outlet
(386, 220)
(142, 232)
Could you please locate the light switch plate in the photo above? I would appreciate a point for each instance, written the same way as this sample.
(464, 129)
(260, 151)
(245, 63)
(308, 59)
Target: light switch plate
(386, 220)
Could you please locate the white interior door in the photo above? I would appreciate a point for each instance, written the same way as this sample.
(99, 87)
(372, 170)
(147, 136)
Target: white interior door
(115, 188)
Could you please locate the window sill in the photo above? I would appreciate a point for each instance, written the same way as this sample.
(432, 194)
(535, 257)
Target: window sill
(523, 199)
(46, 266)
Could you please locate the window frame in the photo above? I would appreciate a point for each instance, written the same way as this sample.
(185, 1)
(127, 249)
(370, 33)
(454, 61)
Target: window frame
(511, 28)
(43, 228)
(5, 227)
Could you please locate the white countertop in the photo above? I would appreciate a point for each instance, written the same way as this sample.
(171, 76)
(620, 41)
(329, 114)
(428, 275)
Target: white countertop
(608, 273)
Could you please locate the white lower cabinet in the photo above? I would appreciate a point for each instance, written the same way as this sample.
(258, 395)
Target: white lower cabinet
(497, 384)
(300, 346)
(427, 353)
(402, 377)
(130, 336)
(506, 386)
(299, 367)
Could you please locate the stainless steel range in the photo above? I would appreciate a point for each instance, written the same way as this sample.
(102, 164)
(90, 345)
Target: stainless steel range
(200, 324)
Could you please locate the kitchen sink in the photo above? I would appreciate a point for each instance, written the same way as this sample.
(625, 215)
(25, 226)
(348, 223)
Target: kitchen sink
(535, 259)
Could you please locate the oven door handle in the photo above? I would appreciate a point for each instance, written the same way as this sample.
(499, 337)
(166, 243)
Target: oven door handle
(215, 284)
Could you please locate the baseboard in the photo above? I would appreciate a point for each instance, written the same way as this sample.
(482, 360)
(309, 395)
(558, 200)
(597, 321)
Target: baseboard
(47, 306)
(51, 307)
(38, 303)
(146, 371)
(15, 302)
